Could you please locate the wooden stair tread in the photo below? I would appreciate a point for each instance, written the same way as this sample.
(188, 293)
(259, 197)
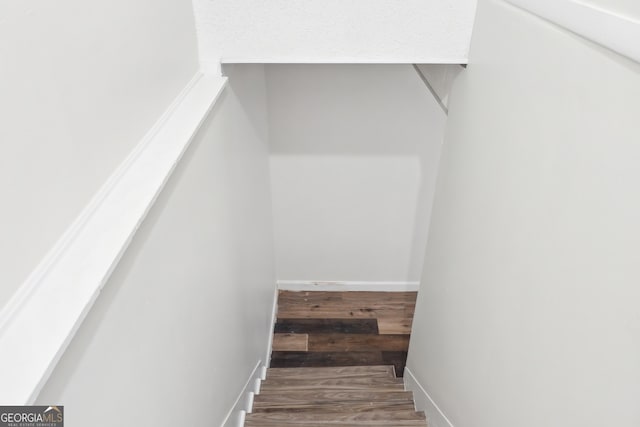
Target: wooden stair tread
(335, 360)
(383, 371)
(320, 416)
(336, 406)
(301, 397)
(332, 384)
(293, 422)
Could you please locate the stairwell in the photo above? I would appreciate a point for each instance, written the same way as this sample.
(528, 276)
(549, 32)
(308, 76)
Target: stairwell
(337, 358)
(345, 396)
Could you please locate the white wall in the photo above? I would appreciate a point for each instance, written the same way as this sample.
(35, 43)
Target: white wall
(80, 84)
(334, 31)
(528, 309)
(630, 8)
(186, 315)
(354, 151)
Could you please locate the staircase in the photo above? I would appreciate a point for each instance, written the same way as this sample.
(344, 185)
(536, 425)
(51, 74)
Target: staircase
(346, 396)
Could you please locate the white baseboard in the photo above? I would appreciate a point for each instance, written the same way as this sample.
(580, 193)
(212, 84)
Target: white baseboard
(50, 305)
(244, 401)
(274, 315)
(323, 285)
(424, 402)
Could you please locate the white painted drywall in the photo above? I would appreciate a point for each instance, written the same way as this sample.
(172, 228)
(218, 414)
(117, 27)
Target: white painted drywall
(615, 26)
(528, 310)
(354, 152)
(186, 315)
(629, 8)
(80, 85)
(334, 31)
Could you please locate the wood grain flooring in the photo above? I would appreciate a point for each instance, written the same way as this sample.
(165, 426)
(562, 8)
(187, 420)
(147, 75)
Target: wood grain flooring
(337, 372)
(291, 342)
(327, 326)
(291, 384)
(335, 396)
(321, 329)
(394, 325)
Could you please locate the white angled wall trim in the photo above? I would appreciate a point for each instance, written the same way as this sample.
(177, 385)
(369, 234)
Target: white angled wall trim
(274, 318)
(42, 317)
(424, 402)
(610, 29)
(244, 402)
(319, 285)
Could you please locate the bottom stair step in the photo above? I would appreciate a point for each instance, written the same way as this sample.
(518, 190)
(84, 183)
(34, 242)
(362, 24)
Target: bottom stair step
(399, 423)
(356, 396)
(322, 424)
(399, 418)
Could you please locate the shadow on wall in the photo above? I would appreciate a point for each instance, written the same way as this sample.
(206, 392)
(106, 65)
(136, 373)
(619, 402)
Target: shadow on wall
(202, 258)
(354, 153)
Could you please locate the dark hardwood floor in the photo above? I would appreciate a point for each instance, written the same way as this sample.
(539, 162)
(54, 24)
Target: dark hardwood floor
(323, 329)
